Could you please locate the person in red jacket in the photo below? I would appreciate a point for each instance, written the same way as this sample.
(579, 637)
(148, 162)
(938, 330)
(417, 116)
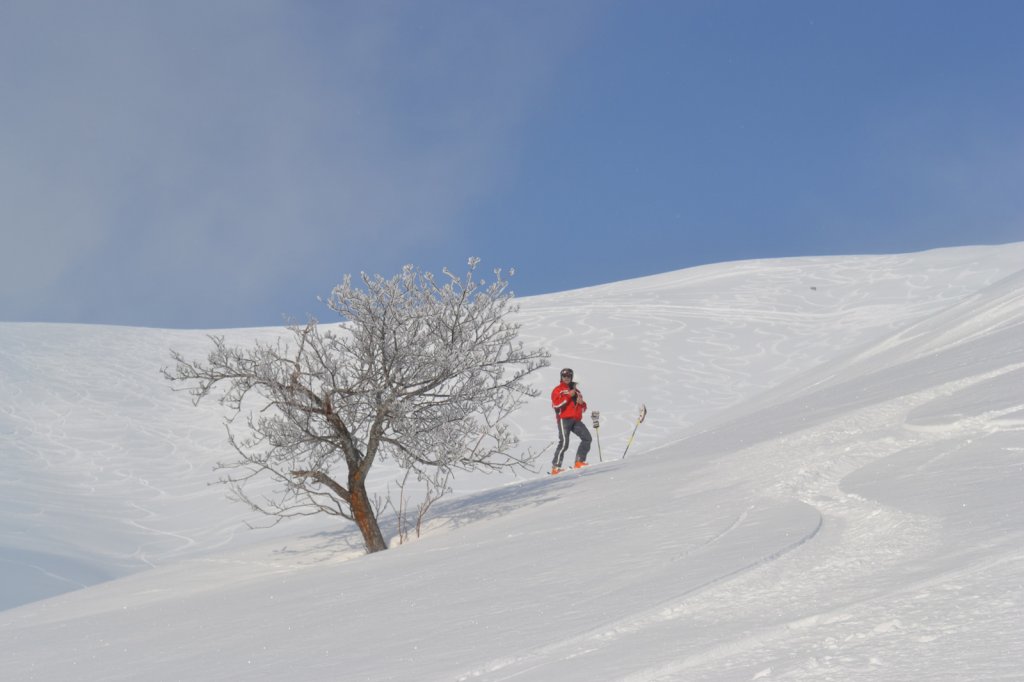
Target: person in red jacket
(569, 408)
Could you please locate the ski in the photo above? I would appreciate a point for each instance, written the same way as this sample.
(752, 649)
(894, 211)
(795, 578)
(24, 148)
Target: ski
(595, 417)
(639, 421)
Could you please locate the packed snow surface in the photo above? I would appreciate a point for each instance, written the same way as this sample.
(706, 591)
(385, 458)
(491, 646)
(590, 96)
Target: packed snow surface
(829, 485)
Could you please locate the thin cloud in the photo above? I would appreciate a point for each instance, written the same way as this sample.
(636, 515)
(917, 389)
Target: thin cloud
(165, 163)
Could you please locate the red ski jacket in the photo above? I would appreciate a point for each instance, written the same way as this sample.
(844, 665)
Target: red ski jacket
(567, 406)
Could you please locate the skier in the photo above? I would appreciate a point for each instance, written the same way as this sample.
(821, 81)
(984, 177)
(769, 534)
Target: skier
(569, 408)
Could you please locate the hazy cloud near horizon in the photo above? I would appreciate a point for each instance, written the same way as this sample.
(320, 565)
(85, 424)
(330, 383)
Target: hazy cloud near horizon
(157, 154)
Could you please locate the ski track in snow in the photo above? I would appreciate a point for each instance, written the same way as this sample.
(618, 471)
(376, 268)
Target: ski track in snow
(632, 625)
(707, 339)
(864, 538)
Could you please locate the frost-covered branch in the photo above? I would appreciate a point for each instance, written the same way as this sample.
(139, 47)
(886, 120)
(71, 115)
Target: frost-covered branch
(421, 372)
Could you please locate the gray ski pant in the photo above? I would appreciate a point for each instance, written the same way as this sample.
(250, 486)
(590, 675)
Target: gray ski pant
(565, 427)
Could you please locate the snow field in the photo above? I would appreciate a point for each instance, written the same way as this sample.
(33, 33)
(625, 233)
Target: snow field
(827, 487)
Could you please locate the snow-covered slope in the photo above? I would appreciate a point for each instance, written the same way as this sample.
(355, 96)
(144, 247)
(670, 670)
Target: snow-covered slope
(828, 486)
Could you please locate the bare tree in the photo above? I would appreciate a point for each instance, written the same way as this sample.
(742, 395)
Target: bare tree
(420, 372)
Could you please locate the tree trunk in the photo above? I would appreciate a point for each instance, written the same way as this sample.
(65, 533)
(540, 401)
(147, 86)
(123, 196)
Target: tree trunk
(362, 512)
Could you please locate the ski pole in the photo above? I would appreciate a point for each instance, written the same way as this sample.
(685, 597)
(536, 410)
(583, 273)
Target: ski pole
(639, 421)
(595, 415)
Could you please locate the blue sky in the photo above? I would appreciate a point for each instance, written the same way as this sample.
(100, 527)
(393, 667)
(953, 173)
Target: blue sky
(221, 164)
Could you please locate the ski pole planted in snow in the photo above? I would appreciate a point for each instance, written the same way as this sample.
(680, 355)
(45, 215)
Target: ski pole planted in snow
(595, 416)
(639, 421)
